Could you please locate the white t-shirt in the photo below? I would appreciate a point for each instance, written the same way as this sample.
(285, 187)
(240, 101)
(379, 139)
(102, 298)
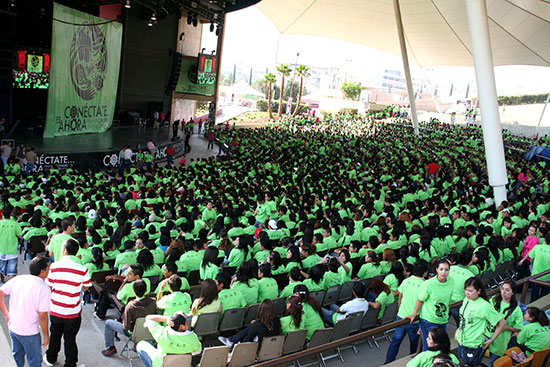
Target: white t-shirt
(355, 305)
(128, 154)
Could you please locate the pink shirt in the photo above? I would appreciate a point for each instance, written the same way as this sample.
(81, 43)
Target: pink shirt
(29, 295)
(530, 242)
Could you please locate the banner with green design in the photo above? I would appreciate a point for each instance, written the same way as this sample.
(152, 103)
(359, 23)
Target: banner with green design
(85, 63)
(187, 81)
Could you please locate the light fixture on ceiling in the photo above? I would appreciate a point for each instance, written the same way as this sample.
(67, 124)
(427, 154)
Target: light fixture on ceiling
(127, 5)
(154, 17)
(195, 21)
(211, 27)
(150, 23)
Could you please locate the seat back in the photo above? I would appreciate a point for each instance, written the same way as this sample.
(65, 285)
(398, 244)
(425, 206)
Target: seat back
(356, 318)
(318, 295)
(232, 319)
(280, 306)
(320, 337)
(141, 332)
(194, 277)
(244, 354)
(331, 295)
(99, 276)
(195, 291)
(272, 347)
(370, 318)
(251, 314)
(366, 283)
(390, 314)
(294, 341)
(155, 279)
(504, 361)
(207, 324)
(177, 360)
(215, 356)
(281, 279)
(341, 329)
(346, 292)
(540, 358)
(37, 244)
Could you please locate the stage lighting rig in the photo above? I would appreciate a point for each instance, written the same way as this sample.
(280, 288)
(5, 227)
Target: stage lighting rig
(195, 21)
(127, 5)
(211, 27)
(154, 17)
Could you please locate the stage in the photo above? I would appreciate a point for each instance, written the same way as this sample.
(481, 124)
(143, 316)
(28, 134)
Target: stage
(112, 140)
(97, 150)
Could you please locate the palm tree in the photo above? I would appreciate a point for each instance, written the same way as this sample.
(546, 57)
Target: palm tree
(303, 72)
(270, 79)
(284, 70)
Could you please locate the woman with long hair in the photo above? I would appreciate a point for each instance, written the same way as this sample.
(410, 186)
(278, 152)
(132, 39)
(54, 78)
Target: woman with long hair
(241, 251)
(209, 268)
(395, 277)
(266, 324)
(267, 286)
(437, 343)
(314, 282)
(312, 310)
(274, 259)
(383, 296)
(534, 336)
(434, 298)
(294, 258)
(207, 302)
(246, 282)
(147, 261)
(506, 305)
(371, 268)
(295, 320)
(97, 264)
(477, 317)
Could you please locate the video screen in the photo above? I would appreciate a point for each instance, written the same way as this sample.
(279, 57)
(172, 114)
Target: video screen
(33, 71)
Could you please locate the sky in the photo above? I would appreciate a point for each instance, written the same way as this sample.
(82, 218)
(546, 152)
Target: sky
(251, 39)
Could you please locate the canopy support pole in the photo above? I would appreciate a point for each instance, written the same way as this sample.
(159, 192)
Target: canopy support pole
(487, 92)
(405, 57)
(542, 114)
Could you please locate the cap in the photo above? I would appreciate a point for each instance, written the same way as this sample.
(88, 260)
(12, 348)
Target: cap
(92, 214)
(272, 224)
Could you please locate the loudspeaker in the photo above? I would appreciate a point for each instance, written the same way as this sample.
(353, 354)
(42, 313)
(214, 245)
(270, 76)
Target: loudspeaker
(175, 72)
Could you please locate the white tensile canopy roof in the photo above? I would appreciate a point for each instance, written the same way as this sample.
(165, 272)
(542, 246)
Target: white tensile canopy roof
(436, 31)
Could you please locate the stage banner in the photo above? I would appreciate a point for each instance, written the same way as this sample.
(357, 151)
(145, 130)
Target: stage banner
(85, 63)
(187, 81)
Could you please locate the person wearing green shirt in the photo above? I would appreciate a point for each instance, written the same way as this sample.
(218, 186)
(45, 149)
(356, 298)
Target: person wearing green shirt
(240, 252)
(174, 338)
(331, 277)
(506, 305)
(295, 320)
(126, 291)
(535, 336)
(295, 278)
(433, 302)
(97, 263)
(314, 282)
(10, 230)
(128, 257)
(313, 313)
(408, 295)
(384, 296)
(209, 269)
(371, 267)
(262, 211)
(55, 246)
(190, 260)
(459, 273)
(230, 298)
(36, 229)
(541, 262)
(176, 301)
(478, 317)
(209, 214)
(438, 344)
(267, 286)
(208, 301)
(246, 283)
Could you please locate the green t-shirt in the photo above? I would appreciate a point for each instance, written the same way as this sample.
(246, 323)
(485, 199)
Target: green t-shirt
(261, 256)
(267, 289)
(313, 321)
(425, 359)
(42, 231)
(127, 291)
(312, 286)
(541, 260)
(56, 244)
(289, 289)
(264, 211)
(385, 299)
(534, 336)
(310, 261)
(476, 317)
(209, 272)
(437, 298)
(330, 279)
(231, 298)
(237, 257)
(392, 281)
(189, 261)
(409, 289)
(249, 291)
(368, 270)
(515, 320)
(172, 342)
(9, 231)
(345, 276)
(288, 326)
(125, 258)
(459, 275)
(174, 302)
(92, 268)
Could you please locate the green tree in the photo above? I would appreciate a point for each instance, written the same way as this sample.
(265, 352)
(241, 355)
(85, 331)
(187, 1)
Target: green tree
(269, 80)
(351, 90)
(303, 72)
(284, 70)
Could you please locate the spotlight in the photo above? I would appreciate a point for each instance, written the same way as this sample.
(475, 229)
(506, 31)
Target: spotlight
(12, 3)
(154, 17)
(218, 29)
(189, 19)
(233, 2)
(150, 23)
(195, 21)
(211, 27)
(127, 5)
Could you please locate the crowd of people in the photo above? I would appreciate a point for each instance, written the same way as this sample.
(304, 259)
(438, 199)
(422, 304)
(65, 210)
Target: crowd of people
(345, 197)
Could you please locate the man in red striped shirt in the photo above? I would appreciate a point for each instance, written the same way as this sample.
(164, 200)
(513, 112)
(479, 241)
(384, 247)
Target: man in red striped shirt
(67, 278)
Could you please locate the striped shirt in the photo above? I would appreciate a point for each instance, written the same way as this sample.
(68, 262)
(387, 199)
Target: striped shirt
(67, 277)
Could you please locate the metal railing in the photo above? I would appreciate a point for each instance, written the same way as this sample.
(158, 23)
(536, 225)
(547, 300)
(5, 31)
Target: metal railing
(363, 336)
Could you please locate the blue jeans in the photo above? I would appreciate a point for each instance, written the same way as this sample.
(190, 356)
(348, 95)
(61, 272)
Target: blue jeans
(29, 345)
(112, 327)
(145, 351)
(398, 336)
(328, 314)
(8, 267)
(425, 327)
(538, 291)
(492, 359)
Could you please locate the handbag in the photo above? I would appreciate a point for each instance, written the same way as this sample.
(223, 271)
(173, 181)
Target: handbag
(470, 357)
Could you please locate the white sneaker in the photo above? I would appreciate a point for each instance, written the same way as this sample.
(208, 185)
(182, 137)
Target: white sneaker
(225, 341)
(46, 362)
